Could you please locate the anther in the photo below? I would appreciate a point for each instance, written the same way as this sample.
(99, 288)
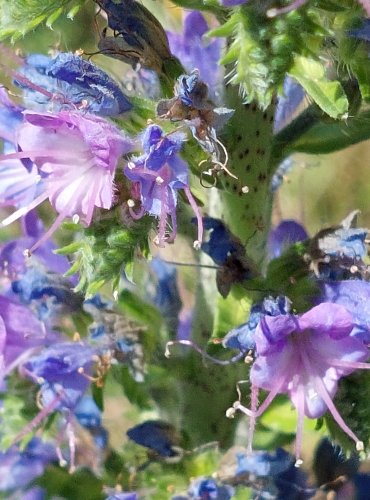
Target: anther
(76, 219)
(159, 180)
(245, 189)
(298, 463)
(130, 203)
(230, 413)
(197, 245)
(360, 446)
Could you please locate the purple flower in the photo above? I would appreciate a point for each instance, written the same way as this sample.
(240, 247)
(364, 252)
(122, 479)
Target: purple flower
(89, 416)
(76, 156)
(20, 333)
(242, 337)
(232, 3)
(288, 103)
(123, 496)
(284, 235)
(354, 295)
(19, 468)
(68, 81)
(157, 176)
(61, 370)
(12, 259)
(208, 489)
(195, 51)
(362, 32)
(304, 357)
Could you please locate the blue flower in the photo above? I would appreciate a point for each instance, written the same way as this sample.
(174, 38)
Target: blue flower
(221, 243)
(60, 371)
(282, 236)
(362, 32)
(208, 489)
(157, 176)
(272, 475)
(242, 337)
(337, 253)
(354, 295)
(89, 416)
(19, 468)
(156, 435)
(196, 51)
(69, 80)
(288, 103)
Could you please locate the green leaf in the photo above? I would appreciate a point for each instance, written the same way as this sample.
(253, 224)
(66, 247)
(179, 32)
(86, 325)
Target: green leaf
(135, 392)
(139, 310)
(329, 95)
(53, 17)
(329, 137)
(230, 312)
(98, 396)
(82, 484)
(18, 17)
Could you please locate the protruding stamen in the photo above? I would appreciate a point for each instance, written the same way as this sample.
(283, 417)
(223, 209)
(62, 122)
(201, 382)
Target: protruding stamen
(197, 245)
(360, 446)
(230, 413)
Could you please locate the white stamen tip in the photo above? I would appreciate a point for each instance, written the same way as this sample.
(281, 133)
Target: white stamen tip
(159, 180)
(271, 12)
(353, 269)
(62, 462)
(298, 462)
(27, 253)
(130, 203)
(230, 413)
(197, 245)
(167, 353)
(115, 295)
(76, 219)
(245, 189)
(360, 446)
(40, 380)
(131, 165)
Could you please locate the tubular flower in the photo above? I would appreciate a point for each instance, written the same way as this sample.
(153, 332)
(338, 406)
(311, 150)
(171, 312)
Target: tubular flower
(75, 156)
(157, 176)
(304, 357)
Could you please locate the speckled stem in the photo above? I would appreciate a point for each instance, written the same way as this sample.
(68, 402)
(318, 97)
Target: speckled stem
(249, 139)
(208, 390)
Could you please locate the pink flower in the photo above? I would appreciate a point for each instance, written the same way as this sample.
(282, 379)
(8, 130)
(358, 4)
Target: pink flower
(76, 156)
(305, 357)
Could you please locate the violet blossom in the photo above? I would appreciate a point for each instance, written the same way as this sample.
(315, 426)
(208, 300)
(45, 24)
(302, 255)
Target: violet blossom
(157, 175)
(63, 371)
(69, 81)
(18, 468)
(195, 51)
(284, 235)
(76, 156)
(21, 333)
(304, 357)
